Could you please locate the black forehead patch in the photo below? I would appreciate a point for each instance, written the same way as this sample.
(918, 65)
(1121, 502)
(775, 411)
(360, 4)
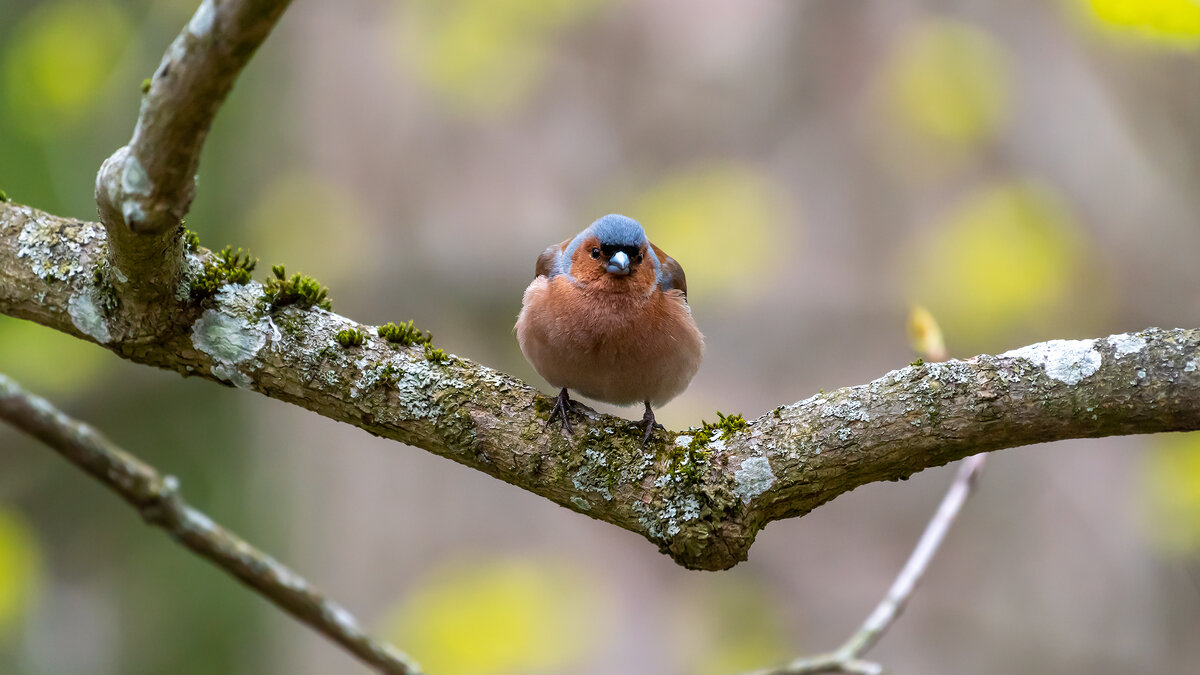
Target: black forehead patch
(609, 250)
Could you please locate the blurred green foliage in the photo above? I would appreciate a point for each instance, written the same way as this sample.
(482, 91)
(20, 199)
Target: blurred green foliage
(1169, 23)
(727, 224)
(1171, 488)
(292, 216)
(501, 617)
(19, 569)
(49, 362)
(58, 60)
(947, 86)
(731, 624)
(484, 56)
(1004, 259)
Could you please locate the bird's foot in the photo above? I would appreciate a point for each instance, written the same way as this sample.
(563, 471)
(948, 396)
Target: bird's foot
(649, 424)
(563, 405)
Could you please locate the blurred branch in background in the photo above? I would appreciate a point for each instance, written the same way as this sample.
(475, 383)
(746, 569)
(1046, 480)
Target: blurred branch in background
(848, 658)
(156, 498)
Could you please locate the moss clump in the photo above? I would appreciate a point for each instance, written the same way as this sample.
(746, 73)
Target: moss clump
(917, 363)
(405, 334)
(435, 355)
(227, 267)
(351, 337)
(280, 291)
(146, 86)
(686, 463)
(3, 196)
(191, 240)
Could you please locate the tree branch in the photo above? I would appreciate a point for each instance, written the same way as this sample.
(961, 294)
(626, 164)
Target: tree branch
(157, 499)
(701, 497)
(848, 658)
(145, 188)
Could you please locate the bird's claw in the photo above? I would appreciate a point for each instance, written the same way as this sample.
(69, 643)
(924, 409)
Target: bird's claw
(649, 424)
(562, 405)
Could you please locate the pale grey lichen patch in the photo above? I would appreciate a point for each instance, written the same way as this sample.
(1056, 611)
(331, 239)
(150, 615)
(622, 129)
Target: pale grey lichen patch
(54, 249)
(87, 316)
(849, 409)
(678, 511)
(669, 518)
(132, 212)
(192, 269)
(683, 440)
(230, 373)
(1126, 344)
(240, 299)
(1069, 361)
(954, 371)
(753, 478)
(1190, 366)
(202, 20)
(593, 475)
(230, 341)
(134, 180)
(581, 503)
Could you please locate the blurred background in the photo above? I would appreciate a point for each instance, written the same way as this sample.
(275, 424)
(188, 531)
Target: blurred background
(1027, 170)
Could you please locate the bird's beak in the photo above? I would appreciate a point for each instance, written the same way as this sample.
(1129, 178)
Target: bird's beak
(618, 263)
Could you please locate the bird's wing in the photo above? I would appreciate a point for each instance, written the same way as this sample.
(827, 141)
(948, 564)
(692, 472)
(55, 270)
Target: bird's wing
(672, 272)
(547, 262)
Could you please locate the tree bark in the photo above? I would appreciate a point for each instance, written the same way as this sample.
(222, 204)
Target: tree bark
(700, 495)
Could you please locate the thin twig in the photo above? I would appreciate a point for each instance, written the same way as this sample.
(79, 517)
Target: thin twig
(156, 498)
(847, 659)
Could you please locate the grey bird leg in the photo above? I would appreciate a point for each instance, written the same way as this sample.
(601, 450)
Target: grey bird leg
(648, 420)
(562, 404)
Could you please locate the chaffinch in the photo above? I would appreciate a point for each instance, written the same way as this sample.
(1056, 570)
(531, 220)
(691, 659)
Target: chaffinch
(607, 316)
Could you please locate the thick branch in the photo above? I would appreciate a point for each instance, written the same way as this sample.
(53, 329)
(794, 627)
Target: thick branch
(700, 500)
(157, 499)
(145, 188)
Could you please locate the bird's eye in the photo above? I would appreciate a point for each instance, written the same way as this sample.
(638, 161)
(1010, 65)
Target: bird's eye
(637, 258)
(595, 253)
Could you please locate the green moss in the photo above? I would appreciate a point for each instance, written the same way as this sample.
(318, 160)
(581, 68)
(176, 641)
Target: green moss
(191, 240)
(405, 334)
(351, 337)
(227, 267)
(435, 355)
(146, 86)
(918, 362)
(3, 196)
(280, 291)
(686, 463)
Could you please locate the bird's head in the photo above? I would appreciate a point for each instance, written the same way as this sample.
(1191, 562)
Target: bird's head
(613, 252)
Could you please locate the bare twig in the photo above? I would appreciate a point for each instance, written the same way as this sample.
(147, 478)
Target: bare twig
(156, 498)
(847, 658)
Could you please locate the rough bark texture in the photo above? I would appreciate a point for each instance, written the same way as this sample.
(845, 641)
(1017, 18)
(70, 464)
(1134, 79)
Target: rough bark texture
(700, 495)
(145, 188)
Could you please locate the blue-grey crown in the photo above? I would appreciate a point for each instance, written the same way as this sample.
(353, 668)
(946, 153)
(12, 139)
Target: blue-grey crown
(618, 230)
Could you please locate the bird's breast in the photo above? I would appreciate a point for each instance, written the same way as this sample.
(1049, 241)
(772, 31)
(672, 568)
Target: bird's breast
(615, 347)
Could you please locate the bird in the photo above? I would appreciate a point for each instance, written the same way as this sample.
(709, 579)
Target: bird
(607, 317)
